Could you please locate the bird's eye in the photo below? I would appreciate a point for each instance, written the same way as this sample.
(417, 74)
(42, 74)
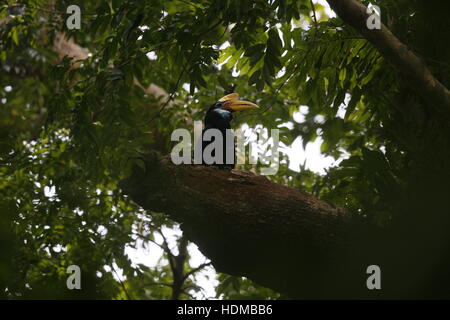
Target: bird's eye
(219, 104)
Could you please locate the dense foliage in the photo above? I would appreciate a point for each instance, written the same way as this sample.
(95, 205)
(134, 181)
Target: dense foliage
(71, 130)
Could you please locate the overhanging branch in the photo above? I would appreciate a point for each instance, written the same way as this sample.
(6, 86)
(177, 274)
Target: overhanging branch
(403, 59)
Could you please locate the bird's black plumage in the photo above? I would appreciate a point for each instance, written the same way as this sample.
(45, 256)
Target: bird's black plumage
(219, 117)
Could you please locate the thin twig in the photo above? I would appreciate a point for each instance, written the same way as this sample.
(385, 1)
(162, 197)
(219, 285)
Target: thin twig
(153, 241)
(316, 24)
(189, 295)
(157, 284)
(200, 267)
(170, 255)
(172, 94)
(121, 283)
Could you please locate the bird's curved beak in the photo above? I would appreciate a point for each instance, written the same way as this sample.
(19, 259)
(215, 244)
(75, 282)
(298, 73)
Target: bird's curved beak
(231, 102)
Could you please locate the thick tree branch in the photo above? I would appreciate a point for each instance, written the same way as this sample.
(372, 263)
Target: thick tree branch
(406, 62)
(249, 226)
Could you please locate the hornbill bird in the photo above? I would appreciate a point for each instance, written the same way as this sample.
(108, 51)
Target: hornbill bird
(219, 116)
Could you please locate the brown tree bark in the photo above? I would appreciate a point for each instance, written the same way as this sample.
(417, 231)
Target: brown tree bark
(287, 240)
(249, 226)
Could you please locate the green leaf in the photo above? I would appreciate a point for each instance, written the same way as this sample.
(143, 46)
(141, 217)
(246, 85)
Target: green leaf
(342, 75)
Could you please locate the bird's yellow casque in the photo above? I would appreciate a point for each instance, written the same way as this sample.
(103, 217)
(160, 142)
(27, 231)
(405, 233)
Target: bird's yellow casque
(231, 102)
